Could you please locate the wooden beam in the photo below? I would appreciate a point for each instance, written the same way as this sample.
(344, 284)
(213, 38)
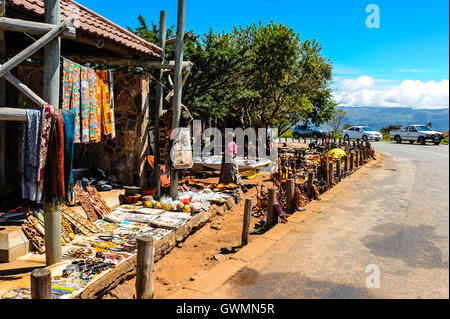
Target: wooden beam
(39, 44)
(159, 101)
(2, 103)
(13, 114)
(187, 35)
(178, 88)
(51, 78)
(31, 27)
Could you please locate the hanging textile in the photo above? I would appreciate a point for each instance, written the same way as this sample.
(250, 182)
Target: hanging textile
(94, 135)
(69, 135)
(48, 113)
(54, 184)
(106, 102)
(99, 103)
(76, 101)
(111, 95)
(84, 105)
(67, 84)
(30, 153)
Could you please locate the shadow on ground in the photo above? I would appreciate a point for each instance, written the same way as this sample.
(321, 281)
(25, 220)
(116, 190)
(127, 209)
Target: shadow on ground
(416, 246)
(250, 282)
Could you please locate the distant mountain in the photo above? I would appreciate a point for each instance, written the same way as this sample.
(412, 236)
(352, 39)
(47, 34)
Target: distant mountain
(379, 117)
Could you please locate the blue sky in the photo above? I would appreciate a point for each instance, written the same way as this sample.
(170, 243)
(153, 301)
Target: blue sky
(402, 63)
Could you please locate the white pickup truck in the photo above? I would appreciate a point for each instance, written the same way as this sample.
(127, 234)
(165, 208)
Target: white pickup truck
(417, 133)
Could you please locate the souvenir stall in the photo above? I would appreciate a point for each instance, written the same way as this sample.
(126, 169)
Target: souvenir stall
(90, 115)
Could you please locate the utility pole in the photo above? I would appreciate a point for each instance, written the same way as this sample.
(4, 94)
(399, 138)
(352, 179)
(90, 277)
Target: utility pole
(51, 78)
(178, 88)
(159, 101)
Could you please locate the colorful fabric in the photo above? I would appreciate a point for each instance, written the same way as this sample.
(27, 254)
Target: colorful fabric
(99, 103)
(69, 135)
(30, 154)
(94, 133)
(84, 105)
(111, 95)
(48, 113)
(106, 102)
(76, 101)
(54, 184)
(67, 85)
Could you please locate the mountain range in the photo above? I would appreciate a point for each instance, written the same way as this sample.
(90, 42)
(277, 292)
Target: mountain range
(379, 117)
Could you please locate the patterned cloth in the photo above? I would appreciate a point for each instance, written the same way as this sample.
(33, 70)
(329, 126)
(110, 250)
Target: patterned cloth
(106, 102)
(111, 96)
(69, 132)
(48, 113)
(76, 101)
(30, 153)
(54, 184)
(84, 105)
(67, 85)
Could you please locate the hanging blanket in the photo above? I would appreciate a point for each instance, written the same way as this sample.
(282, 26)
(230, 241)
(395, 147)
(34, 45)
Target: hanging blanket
(106, 102)
(94, 135)
(69, 135)
(67, 84)
(30, 153)
(111, 95)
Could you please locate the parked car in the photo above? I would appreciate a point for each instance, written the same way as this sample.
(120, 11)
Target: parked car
(307, 130)
(417, 133)
(364, 133)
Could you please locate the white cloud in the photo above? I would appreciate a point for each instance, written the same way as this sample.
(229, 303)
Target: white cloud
(367, 91)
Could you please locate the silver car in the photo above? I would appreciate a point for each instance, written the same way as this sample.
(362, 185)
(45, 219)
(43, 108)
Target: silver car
(364, 133)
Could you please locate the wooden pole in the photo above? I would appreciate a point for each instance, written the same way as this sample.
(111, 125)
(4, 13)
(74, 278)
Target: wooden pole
(144, 267)
(346, 160)
(31, 27)
(272, 198)
(352, 161)
(178, 88)
(41, 284)
(361, 163)
(246, 224)
(52, 213)
(2, 103)
(356, 159)
(311, 177)
(290, 184)
(338, 167)
(331, 173)
(159, 101)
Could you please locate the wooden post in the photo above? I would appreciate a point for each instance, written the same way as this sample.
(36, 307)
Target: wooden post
(290, 184)
(2, 103)
(272, 198)
(41, 284)
(338, 167)
(346, 160)
(356, 159)
(352, 161)
(52, 214)
(246, 224)
(144, 267)
(361, 163)
(178, 88)
(159, 101)
(309, 190)
(331, 173)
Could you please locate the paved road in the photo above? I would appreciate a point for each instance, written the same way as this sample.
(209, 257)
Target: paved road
(396, 217)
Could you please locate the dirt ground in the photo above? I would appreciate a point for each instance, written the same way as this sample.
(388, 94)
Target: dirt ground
(201, 251)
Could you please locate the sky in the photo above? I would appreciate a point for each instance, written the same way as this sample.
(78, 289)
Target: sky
(395, 53)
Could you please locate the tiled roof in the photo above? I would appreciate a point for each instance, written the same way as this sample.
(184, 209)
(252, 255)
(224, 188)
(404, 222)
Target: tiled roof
(93, 23)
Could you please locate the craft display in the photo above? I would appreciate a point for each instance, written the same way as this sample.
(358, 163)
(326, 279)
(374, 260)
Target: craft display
(80, 223)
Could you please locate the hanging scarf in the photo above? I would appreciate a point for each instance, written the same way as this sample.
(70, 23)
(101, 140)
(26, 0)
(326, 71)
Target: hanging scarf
(69, 132)
(94, 135)
(99, 95)
(84, 105)
(30, 153)
(54, 184)
(111, 94)
(76, 101)
(48, 113)
(67, 85)
(106, 102)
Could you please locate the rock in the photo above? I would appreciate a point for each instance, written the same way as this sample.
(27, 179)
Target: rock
(216, 227)
(219, 257)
